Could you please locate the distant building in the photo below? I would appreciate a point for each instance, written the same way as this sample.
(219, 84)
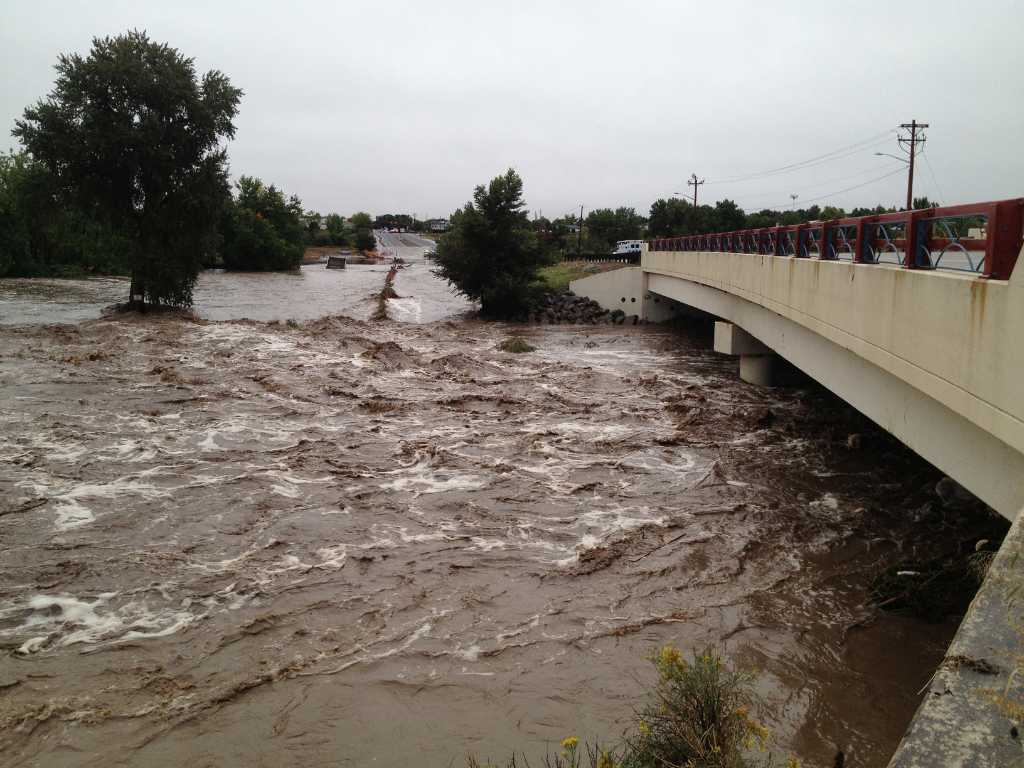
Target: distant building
(438, 225)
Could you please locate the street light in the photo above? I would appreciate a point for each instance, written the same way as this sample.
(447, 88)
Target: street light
(894, 157)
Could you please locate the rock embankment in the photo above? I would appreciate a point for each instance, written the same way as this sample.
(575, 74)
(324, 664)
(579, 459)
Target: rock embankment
(572, 309)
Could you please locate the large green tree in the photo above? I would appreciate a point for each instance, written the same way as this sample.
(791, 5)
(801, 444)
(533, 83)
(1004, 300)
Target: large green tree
(133, 138)
(263, 229)
(491, 253)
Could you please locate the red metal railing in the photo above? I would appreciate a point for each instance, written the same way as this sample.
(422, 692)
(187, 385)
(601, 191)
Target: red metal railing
(932, 238)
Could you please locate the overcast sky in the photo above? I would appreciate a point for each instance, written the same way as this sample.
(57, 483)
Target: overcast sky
(404, 107)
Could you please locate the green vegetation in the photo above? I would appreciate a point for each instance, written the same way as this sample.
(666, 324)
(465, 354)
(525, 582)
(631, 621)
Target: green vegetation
(42, 235)
(491, 253)
(516, 344)
(604, 227)
(362, 225)
(555, 278)
(131, 139)
(699, 715)
(262, 229)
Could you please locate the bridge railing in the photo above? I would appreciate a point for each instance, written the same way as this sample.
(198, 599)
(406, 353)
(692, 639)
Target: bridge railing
(930, 238)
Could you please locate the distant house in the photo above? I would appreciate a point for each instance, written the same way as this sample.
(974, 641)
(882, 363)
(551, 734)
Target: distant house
(573, 228)
(307, 220)
(438, 225)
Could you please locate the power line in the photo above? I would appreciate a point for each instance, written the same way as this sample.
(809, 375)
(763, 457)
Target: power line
(837, 192)
(836, 154)
(935, 181)
(825, 183)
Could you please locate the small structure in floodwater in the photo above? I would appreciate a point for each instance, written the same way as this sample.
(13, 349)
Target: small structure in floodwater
(335, 262)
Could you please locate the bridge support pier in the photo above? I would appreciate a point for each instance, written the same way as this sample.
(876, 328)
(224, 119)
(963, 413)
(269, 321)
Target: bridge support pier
(756, 360)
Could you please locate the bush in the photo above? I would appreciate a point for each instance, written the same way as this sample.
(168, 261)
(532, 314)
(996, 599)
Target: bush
(698, 716)
(516, 344)
(364, 240)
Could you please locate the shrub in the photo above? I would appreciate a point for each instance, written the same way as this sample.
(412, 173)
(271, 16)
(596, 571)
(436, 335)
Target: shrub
(516, 344)
(700, 716)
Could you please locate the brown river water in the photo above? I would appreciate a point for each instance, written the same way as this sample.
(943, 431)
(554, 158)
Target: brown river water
(390, 543)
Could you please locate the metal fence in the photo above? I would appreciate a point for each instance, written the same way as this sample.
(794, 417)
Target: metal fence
(932, 238)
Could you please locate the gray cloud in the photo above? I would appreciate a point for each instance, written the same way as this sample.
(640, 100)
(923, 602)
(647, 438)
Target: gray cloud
(396, 106)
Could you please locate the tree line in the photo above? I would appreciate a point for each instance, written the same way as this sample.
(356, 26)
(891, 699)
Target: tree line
(674, 217)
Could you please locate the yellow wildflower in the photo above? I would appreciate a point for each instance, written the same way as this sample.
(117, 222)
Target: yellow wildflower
(570, 743)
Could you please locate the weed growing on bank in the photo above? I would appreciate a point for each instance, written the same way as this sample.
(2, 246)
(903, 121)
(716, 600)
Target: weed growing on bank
(699, 715)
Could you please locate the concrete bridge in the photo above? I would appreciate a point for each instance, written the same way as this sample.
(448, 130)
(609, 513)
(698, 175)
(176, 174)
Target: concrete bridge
(917, 320)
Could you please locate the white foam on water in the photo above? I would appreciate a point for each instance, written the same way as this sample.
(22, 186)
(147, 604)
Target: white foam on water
(405, 310)
(472, 653)
(343, 511)
(55, 621)
(287, 490)
(209, 443)
(487, 545)
(333, 557)
(421, 478)
(572, 428)
(72, 514)
(532, 623)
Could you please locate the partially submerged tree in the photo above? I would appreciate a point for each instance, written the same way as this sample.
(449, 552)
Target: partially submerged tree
(491, 253)
(362, 225)
(263, 229)
(132, 137)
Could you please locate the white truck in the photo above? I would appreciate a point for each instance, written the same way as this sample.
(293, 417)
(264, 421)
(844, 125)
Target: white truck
(627, 248)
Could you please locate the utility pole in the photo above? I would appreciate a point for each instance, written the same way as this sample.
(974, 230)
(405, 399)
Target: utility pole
(693, 182)
(579, 234)
(913, 126)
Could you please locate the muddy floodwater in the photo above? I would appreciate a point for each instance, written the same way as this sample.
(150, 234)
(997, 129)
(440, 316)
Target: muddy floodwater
(355, 543)
(305, 294)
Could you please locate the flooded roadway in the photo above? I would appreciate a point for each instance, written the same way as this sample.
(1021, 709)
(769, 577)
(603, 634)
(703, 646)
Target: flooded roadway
(239, 543)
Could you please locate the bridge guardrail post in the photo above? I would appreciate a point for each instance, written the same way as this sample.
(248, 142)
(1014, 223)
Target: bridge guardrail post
(917, 240)
(862, 249)
(1003, 238)
(825, 250)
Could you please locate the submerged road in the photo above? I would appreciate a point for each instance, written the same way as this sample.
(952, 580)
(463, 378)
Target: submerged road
(405, 245)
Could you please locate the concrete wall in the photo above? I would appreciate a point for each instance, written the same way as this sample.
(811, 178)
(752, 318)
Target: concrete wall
(971, 711)
(945, 351)
(626, 289)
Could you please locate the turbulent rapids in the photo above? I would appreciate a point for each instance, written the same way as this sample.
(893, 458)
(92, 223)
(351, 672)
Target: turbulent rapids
(253, 543)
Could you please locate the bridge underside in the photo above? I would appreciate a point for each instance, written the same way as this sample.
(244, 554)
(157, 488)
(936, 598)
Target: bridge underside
(983, 464)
